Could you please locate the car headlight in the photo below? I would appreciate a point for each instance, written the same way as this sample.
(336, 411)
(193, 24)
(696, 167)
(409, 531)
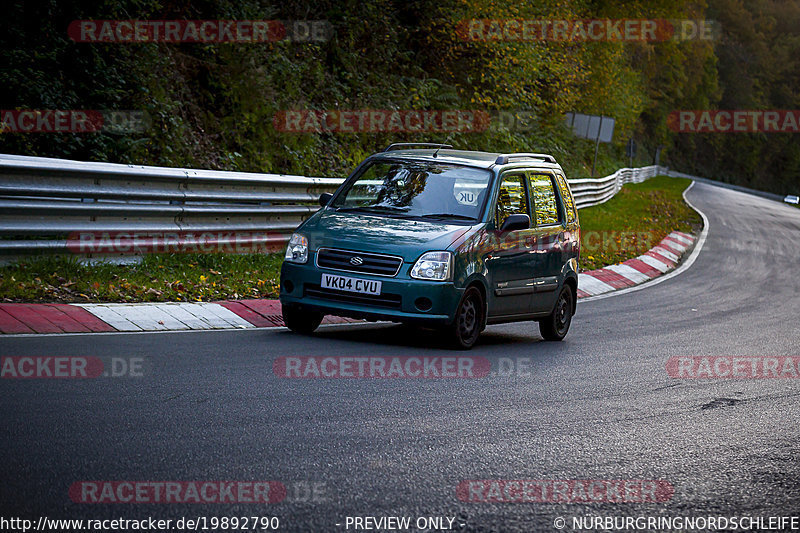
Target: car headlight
(297, 251)
(433, 266)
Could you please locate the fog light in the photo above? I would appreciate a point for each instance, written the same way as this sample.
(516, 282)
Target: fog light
(423, 304)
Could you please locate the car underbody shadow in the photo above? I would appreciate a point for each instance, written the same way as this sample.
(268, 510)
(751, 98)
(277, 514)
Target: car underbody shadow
(411, 336)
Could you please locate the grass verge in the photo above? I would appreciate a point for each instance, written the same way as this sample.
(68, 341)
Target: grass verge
(158, 278)
(635, 220)
(626, 226)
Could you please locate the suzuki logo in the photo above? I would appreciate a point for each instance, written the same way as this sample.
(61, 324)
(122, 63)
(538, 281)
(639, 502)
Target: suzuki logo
(356, 261)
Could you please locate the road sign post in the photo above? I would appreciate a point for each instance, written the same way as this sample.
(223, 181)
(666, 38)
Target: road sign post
(598, 128)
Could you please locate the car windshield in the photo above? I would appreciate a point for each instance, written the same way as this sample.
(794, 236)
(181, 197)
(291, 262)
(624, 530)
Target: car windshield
(416, 189)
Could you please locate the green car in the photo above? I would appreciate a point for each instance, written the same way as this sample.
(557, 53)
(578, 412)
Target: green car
(442, 238)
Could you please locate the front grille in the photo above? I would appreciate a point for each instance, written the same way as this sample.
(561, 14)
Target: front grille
(375, 264)
(391, 301)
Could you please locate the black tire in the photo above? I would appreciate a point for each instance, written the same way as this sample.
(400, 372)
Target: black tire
(556, 326)
(301, 321)
(469, 320)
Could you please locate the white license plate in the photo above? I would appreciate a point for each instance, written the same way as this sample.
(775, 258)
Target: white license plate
(343, 283)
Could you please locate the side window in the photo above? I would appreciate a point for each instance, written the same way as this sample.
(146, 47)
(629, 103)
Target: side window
(569, 203)
(544, 199)
(512, 198)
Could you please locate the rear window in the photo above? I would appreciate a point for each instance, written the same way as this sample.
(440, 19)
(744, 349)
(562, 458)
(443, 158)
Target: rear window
(566, 195)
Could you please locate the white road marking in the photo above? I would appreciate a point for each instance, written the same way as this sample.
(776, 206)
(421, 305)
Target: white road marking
(167, 316)
(628, 272)
(660, 250)
(227, 316)
(159, 314)
(655, 263)
(178, 311)
(140, 314)
(591, 285)
(680, 237)
(677, 247)
(110, 317)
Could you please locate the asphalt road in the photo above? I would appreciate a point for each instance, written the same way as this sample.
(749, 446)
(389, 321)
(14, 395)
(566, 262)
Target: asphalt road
(598, 406)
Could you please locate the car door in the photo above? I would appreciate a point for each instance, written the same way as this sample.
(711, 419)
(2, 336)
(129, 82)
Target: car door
(509, 260)
(549, 235)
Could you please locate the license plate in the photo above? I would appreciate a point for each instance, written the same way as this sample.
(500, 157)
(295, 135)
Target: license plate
(343, 283)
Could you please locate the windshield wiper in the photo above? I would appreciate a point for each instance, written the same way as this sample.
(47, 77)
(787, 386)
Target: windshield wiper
(448, 215)
(382, 209)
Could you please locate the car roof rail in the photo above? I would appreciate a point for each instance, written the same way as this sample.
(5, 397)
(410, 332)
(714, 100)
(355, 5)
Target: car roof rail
(401, 146)
(502, 159)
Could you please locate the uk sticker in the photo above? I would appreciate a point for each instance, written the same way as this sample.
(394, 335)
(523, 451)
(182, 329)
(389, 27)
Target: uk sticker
(465, 196)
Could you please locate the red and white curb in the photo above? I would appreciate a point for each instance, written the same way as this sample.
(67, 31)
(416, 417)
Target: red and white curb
(247, 314)
(178, 316)
(656, 262)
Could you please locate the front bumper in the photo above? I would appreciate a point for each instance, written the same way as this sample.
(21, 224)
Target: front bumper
(398, 301)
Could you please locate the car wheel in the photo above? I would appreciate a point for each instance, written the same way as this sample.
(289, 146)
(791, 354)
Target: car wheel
(301, 321)
(469, 320)
(556, 326)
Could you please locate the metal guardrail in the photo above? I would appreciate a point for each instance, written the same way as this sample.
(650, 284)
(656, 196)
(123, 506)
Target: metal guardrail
(594, 191)
(44, 200)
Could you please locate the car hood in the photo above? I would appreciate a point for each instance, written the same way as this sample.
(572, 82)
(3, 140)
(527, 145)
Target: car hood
(371, 233)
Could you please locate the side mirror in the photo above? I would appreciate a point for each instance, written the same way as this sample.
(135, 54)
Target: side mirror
(324, 198)
(516, 222)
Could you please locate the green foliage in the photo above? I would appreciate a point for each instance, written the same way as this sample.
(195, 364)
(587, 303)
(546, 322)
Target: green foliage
(758, 66)
(213, 105)
(158, 278)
